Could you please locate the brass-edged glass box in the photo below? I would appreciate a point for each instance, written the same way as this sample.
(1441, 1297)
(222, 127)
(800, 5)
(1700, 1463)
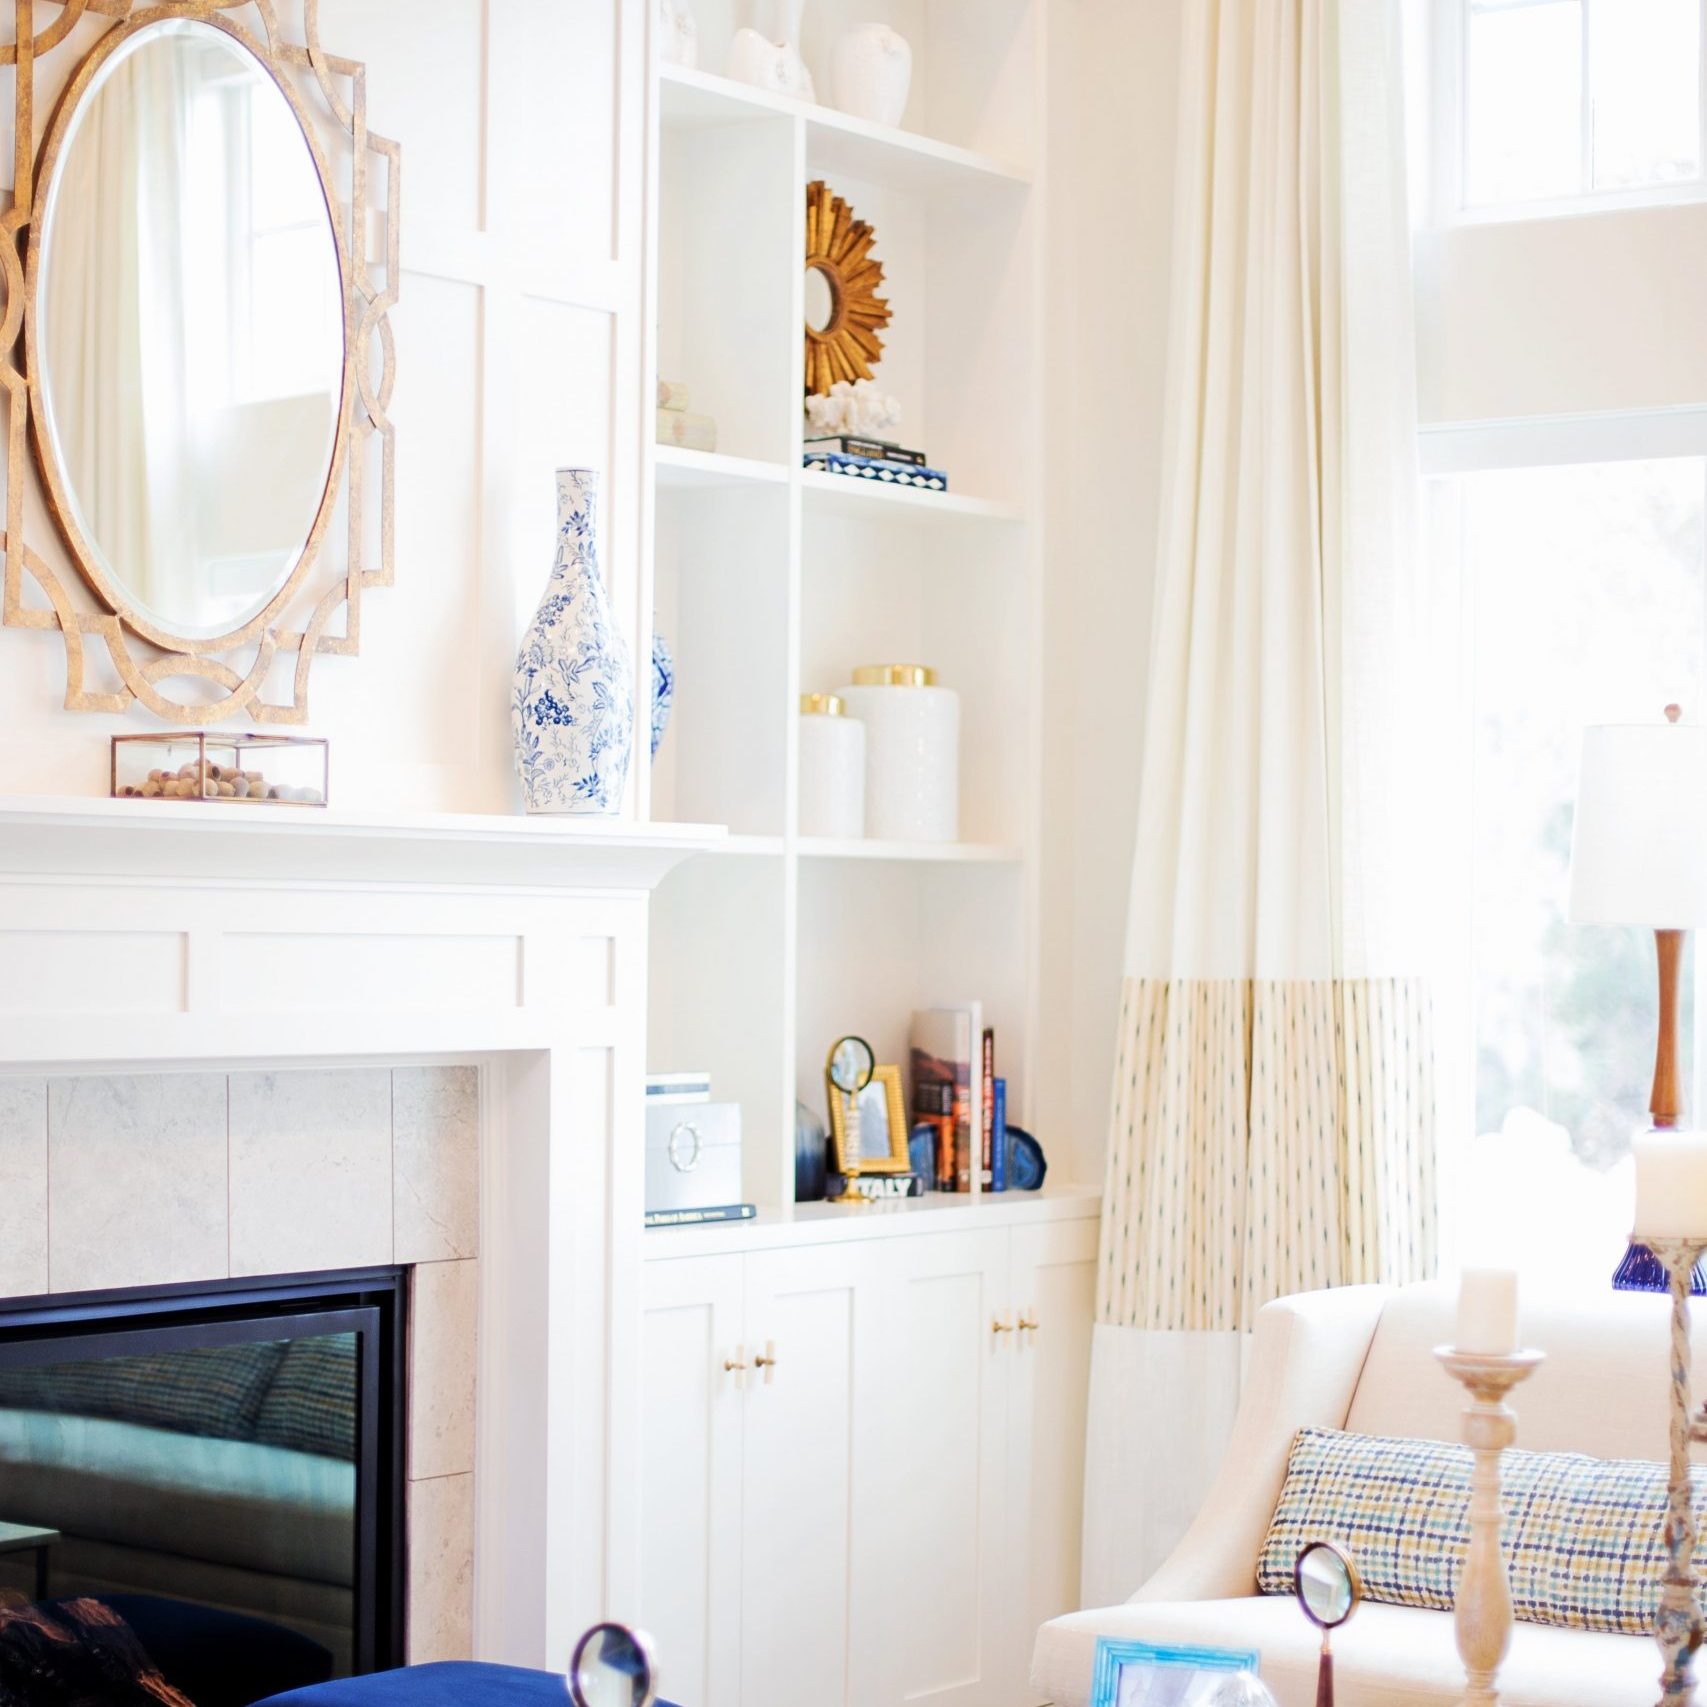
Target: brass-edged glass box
(275, 770)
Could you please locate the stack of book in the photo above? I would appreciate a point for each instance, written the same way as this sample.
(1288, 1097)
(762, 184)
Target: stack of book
(956, 1092)
(677, 425)
(873, 459)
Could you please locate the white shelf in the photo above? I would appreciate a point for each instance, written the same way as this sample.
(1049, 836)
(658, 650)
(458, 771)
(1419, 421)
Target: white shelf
(700, 469)
(770, 578)
(835, 1223)
(935, 853)
(842, 496)
(836, 142)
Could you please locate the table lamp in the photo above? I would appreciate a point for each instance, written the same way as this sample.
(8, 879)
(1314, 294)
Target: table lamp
(1639, 857)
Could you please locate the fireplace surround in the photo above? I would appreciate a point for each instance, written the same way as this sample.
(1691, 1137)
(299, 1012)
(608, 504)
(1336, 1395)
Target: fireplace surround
(208, 958)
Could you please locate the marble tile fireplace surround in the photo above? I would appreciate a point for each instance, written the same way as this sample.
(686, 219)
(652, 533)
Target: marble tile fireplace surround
(156, 1179)
(236, 1043)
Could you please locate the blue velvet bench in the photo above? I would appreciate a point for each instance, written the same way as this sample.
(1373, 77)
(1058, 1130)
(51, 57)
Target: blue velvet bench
(452, 1683)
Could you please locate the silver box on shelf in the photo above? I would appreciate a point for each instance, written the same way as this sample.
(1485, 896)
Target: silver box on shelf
(693, 1145)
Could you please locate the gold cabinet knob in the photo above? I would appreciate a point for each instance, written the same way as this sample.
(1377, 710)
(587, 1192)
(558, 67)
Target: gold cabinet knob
(766, 1360)
(1027, 1324)
(998, 1326)
(732, 1364)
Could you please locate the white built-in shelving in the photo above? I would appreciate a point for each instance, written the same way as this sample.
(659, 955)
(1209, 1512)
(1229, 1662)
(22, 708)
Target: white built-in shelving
(769, 580)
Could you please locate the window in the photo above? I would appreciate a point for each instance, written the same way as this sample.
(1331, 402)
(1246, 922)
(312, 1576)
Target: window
(1585, 587)
(1596, 100)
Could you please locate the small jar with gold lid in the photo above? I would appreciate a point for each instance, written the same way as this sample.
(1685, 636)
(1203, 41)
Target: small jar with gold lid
(912, 752)
(832, 768)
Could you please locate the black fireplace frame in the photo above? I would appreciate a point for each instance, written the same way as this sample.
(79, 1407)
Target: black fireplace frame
(371, 1303)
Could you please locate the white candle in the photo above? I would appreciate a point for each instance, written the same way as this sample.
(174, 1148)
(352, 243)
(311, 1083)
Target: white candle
(1671, 1185)
(1487, 1312)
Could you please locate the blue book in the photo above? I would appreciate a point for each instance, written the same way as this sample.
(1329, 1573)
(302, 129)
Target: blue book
(999, 1135)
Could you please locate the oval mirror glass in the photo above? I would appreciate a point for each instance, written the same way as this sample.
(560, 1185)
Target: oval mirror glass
(820, 300)
(189, 329)
(612, 1667)
(851, 1065)
(1327, 1585)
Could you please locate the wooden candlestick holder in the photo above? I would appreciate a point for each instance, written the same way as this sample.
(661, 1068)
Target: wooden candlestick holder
(1678, 1626)
(1482, 1611)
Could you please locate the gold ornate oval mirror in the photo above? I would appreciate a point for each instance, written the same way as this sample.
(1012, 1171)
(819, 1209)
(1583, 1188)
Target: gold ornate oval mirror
(202, 320)
(844, 313)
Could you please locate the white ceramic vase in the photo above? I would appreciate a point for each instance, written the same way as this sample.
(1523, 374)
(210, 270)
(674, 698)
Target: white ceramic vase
(572, 708)
(912, 752)
(678, 34)
(772, 61)
(871, 73)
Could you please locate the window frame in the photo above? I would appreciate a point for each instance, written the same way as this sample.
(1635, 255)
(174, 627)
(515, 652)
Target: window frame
(1448, 107)
(1450, 449)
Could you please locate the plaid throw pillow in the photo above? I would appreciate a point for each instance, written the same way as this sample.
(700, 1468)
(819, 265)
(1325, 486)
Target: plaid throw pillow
(1583, 1539)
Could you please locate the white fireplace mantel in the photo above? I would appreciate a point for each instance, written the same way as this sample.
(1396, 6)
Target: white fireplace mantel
(140, 935)
(213, 839)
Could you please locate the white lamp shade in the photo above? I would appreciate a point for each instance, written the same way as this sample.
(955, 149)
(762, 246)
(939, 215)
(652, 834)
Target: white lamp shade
(1639, 843)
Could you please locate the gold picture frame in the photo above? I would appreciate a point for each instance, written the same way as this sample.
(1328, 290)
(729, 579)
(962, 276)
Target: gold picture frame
(884, 1091)
(326, 93)
(838, 247)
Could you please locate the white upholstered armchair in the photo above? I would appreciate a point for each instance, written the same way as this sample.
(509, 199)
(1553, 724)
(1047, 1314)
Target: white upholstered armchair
(1362, 1358)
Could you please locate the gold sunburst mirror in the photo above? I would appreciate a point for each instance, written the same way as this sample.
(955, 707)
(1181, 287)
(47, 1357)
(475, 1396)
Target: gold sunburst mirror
(195, 346)
(844, 313)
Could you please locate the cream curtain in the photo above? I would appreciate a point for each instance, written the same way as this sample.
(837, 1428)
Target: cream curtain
(1273, 1120)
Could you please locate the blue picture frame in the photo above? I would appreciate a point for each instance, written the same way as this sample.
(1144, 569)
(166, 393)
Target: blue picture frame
(1112, 1655)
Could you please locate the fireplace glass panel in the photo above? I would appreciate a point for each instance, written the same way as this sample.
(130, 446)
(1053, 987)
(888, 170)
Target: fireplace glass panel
(210, 1481)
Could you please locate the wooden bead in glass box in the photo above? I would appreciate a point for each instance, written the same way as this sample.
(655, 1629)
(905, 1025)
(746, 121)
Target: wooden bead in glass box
(249, 770)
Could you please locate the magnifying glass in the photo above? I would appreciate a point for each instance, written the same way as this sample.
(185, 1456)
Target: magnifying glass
(1328, 1589)
(847, 1071)
(613, 1667)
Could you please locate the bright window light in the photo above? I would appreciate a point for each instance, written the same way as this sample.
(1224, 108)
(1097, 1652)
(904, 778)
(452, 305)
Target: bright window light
(1587, 602)
(1575, 98)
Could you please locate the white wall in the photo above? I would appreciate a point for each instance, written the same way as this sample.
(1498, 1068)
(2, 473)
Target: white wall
(516, 325)
(1113, 69)
(1583, 313)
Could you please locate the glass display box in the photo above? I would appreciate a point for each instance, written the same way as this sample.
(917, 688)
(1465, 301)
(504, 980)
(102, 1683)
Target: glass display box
(262, 770)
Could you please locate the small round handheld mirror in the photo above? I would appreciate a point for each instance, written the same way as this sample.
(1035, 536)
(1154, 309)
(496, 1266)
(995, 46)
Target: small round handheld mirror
(1328, 1589)
(851, 1065)
(612, 1666)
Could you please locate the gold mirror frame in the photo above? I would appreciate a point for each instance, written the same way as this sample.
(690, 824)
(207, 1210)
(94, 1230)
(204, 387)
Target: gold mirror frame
(839, 247)
(144, 655)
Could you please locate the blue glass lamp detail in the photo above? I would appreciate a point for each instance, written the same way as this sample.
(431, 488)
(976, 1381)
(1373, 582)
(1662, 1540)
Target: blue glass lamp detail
(1642, 1271)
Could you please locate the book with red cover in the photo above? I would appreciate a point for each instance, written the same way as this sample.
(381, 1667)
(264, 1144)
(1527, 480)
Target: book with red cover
(987, 1160)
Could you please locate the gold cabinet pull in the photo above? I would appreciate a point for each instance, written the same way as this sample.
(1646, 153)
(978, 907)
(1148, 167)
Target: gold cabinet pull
(998, 1326)
(733, 1365)
(766, 1360)
(1027, 1324)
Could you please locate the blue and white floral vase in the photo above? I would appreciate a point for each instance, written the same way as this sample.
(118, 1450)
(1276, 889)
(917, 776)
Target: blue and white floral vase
(573, 705)
(663, 689)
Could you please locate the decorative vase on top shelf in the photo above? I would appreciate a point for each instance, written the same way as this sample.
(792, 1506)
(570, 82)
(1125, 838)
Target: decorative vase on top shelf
(769, 58)
(572, 711)
(871, 72)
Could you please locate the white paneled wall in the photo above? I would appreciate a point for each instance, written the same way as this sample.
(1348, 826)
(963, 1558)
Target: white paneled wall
(518, 349)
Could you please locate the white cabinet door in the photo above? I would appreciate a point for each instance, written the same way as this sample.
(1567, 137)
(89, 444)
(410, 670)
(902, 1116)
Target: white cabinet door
(801, 1446)
(941, 1421)
(691, 1476)
(1052, 1283)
